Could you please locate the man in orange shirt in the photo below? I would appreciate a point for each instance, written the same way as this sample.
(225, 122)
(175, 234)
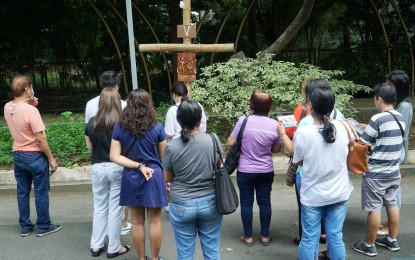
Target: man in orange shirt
(31, 157)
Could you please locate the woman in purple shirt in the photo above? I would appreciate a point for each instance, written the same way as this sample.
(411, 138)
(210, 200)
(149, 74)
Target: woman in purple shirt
(255, 172)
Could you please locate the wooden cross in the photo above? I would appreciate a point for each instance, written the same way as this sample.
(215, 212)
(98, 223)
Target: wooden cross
(186, 58)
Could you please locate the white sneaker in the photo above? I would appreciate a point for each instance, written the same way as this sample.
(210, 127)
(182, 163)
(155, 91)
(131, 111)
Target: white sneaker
(126, 230)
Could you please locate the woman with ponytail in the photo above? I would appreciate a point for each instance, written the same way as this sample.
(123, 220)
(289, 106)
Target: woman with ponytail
(172, 127)
(189, 166)
(321, 148)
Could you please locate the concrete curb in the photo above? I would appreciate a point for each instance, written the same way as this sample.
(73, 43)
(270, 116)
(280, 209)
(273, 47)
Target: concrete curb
(79, 178)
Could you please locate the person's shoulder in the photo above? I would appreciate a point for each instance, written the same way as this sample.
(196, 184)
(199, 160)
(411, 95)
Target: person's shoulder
(93, 100)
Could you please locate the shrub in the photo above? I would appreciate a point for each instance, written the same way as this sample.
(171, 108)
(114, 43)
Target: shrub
(226, 87)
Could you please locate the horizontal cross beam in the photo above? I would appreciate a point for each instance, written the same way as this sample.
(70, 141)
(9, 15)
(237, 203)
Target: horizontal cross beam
(179, 47)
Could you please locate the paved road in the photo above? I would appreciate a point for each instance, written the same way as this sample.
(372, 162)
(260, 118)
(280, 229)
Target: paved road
(73, 209)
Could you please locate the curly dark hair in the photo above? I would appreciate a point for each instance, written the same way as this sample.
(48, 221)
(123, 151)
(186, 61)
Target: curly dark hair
(139, 116)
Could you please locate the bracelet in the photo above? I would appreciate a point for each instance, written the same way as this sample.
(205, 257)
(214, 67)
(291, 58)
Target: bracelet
(140, 166)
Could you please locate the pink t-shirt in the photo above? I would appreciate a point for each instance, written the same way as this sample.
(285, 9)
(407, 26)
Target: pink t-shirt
(259, 136)
(24, 121)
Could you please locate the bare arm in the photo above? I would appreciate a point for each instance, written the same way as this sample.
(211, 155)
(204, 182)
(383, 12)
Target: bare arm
(276, 148)
(88, 143)
(44, 146)
(289, 145)
(161, 146)
(231, 141)
(118, 158)
(168, 176)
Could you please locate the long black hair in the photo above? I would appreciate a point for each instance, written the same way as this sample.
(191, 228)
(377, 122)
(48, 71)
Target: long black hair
(401, 81)
(322, 101)
(180, 89)
(189, 115)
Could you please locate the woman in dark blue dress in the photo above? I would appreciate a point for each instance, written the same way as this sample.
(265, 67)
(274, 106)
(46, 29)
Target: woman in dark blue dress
(138, 143)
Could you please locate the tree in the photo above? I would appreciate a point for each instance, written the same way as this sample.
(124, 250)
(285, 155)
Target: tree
(291, 31)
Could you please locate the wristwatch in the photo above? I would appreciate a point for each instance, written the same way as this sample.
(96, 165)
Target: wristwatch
(140, 166)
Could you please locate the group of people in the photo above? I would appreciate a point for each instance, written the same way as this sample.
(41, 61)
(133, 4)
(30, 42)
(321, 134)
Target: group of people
(139, 166)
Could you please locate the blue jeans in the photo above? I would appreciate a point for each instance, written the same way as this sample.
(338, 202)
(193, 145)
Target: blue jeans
(32, 167)
(108, 214)
(333, 216)
(196, 216)
(261, 184)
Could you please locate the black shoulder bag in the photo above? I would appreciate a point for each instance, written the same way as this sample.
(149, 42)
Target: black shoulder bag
(232, 158)
(227, 200)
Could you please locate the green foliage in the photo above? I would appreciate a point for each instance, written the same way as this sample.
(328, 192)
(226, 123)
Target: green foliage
(226, 87)
(6, 143)
(65, 137)
(67, 140)
(161, 112)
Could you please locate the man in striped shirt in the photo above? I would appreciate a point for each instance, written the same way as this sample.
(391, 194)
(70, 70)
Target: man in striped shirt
(379, 185)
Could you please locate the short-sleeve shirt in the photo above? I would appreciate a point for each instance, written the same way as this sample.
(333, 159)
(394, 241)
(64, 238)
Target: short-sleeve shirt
(325, 179)
(146, 147)
(92, 108)
(192, 164)
(385, 137)
(100, 143)
(172, 126)
(24, 121)
(258, 138)
(407, 111)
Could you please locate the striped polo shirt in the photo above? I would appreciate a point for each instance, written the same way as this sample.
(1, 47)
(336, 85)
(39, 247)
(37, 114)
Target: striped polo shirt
(385, 137)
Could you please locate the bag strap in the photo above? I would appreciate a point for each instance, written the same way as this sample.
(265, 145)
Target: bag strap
(215, 145)
(242, 129)
(400, 126)
(131, 147)
(348, 130)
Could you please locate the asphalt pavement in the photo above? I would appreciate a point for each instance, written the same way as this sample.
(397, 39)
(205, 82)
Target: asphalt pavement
(72, 207)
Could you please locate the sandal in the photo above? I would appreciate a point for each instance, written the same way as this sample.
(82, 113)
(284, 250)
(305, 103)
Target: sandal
(244, 240)
(96, 253)
(267, 242)
(297, 241)
(323, 255)
(127, 248)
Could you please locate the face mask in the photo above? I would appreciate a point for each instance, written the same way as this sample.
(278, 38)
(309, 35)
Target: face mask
(377, 106)
(303, 98)
(33, 94)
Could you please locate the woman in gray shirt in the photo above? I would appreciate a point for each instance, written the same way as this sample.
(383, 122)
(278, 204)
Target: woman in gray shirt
(188, 164)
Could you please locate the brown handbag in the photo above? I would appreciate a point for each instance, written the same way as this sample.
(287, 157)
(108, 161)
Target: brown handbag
(358, 151)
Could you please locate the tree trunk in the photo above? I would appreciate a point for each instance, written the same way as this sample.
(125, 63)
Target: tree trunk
(291, 31)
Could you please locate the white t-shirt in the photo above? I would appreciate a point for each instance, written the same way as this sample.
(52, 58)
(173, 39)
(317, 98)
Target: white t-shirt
(92, 108)
(325, 178)
(173, 128)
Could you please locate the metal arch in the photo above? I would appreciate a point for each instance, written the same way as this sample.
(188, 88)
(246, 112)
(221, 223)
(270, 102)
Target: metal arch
(408, 38)
(136, 44)
(385, 35)
(204, 18)
(221, 28)
(115, 44)
(157, 39)
(248, 10)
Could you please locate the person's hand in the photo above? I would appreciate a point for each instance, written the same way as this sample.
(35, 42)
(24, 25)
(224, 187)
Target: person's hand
(53, 165)
(34, 101)
(147, 172)
(168, 187)
(363, 126)
(280, 128)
